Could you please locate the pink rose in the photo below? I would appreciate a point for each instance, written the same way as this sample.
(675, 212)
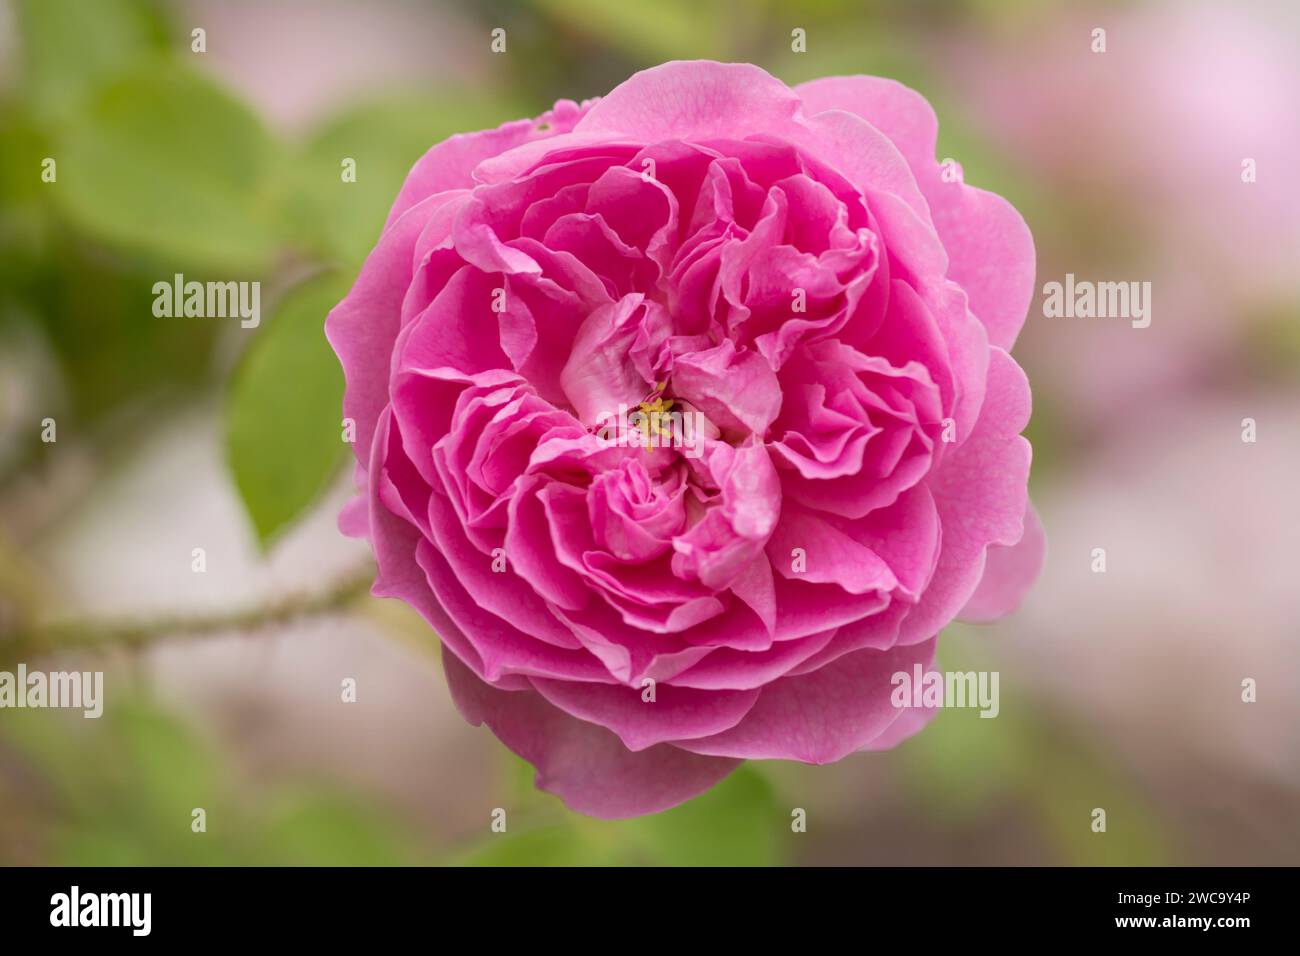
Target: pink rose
(686, 417)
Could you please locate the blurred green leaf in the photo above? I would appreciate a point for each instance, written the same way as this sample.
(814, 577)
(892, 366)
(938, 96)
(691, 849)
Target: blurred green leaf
(96, 312)
(737, 823)
(20, 174)
(734, 824)
(1071, 782)
(559, 845)
(343, 219)
(963, 763)
(171, 772)
(161, 160)
(1271, 334)
(664, 30)
(328, 829)
(121, 791)
(541, 831)
(284, 437)
(69, 45)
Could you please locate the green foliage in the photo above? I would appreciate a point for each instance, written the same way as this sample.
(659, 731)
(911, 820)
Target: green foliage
(963, 765)
(20, 184)
(737, 823)
(551, 845)
(121, 791)
(1071, 779)
(734, 824)
(342, 219)
(284, 439)
(121, 788)
(84, 308)
(161, 160)
(317, 827)
(97, 316)
(667, 29)
(69, 46)
(159, 171)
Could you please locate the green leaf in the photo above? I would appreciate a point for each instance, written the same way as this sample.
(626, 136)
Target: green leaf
(24, 209)
(734, 824)
(284, 440)
(97, 314)
(70, 45)
(162, 161)
(383, 139)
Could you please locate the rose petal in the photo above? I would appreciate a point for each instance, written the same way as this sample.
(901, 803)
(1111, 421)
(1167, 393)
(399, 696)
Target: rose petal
(990, 249)
(674, 713)
(981, 495)
(586, 766)
(1008, 573)
(822, 716)
(696, 99)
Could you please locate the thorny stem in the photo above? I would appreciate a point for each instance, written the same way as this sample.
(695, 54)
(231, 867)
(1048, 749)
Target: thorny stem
(29, 641)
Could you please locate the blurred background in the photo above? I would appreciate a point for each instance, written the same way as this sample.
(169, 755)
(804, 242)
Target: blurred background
(1120, 690)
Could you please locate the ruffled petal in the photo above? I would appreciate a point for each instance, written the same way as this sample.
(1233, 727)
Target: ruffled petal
(822, 716)
(990, 249)
(584, 765)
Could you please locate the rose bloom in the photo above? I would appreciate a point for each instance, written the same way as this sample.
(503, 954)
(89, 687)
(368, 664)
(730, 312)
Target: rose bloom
(789, 272)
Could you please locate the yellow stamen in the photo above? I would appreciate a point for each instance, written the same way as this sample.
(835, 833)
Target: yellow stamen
(651, 411)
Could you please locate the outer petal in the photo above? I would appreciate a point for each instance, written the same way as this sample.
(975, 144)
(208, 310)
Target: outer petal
(586, 766)
(911, 722)
(980, 491)
(821, 716)
(863, 154)
(450, 164)
(363, 327)
(676, 713)
(990, 249)
(695, 99)
(990, 255)
(354, 517)
(395, 541)
(1009, 571)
